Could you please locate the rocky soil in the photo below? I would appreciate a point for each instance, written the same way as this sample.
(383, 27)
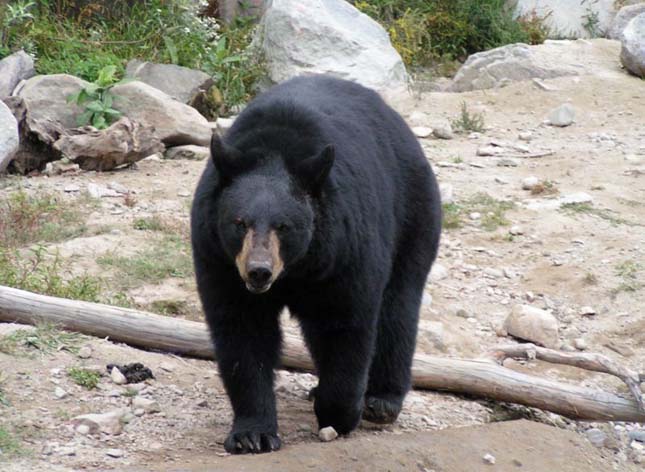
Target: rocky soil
(563, 231)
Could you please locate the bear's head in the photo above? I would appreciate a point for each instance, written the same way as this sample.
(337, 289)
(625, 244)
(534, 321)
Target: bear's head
(265, 210)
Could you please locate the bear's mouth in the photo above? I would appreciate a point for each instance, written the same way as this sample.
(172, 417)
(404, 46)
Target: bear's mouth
(258, 289)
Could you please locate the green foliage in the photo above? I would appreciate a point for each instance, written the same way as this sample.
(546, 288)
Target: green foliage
(423, 30)
(86, 378)
(83, 37)
(46, 338)
(493, 212)
(97, 100)
(40, 272)
(468, 121)
(40, 217)
(9, 444)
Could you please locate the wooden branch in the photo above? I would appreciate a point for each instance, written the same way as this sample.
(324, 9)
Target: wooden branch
(479, 377)
(587, 361)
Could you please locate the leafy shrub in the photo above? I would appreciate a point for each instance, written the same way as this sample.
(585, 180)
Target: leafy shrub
(424, 30)
(97, 100)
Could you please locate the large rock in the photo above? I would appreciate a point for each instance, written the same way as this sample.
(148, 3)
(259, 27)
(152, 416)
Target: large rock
(8, 136)
(516, 62)
(329, 36)
(179, 82)
(623, 17)
(46, 98)
(14, 68)
(571, 18)
(632, 53)
(175, 123)
(533, 324)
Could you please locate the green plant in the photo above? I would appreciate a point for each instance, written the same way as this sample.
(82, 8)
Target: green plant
(468, 121)
(86, 378)
(493, 212)
(535, 27)
(17, 15)
(628, 271)
(591, 19)
(603, 213)
(39, 217)
(9, 444)
(46, 338)
(97, 100)
(41, 272)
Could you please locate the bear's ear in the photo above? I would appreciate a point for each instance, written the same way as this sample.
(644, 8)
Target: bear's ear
(226, 158)
(314, 170)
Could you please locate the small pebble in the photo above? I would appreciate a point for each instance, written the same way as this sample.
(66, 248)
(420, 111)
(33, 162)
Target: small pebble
(516, 230)
(60, 393)
(587, 311)
(327, 434)
(525, 136)
(421, 131)
(114, 453)
(85, 352)
(83, 429)
(529, 183)
(117, 377)
(489, 459)
(580, 344)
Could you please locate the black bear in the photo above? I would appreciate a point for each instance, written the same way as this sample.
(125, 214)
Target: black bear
(319, 198)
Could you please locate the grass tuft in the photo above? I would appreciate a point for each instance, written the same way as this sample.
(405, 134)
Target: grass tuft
(86, 378)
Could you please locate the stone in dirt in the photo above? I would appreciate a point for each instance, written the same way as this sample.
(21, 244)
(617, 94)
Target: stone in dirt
(533, 324)
(117, 377)
(632, 53)
(624, 16)
(443, 131)
(134, 373)
(562, 116)
(489, 459)
(597, 437)
(9, 139)
(329, 36)
(116, 453)
(327, 434)
(14, 68)
(529, 183)
(175, 123)
(422, 131)
(518, 62)
(60, 393)
(181, 83)
(146, 404)
(188, 151)
(109, 423)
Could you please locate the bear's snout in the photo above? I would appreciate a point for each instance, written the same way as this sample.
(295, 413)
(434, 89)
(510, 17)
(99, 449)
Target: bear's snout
(259, 262)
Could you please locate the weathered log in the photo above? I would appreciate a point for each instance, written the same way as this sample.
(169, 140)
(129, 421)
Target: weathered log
(479, 377)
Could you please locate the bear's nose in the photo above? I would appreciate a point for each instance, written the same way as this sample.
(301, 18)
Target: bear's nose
(259, 275)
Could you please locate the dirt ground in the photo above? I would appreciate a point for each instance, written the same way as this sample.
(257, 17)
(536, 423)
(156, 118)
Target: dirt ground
(560, 259)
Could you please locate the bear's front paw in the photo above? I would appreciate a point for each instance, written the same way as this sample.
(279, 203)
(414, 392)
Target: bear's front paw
(252, 440)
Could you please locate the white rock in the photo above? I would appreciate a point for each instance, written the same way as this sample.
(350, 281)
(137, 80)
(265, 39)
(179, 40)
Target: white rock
(139, 412)
(438, 272)
(533, 324)
(66, 451)
(525, 136)
(71, 188)
(632, 53)
(493, 273)
(421, 131)
(327, 434)
(587, 311)
(118, 377)
(516, 230)
(624, 16)
(99, 191)
(579, 197)
(529, 183)
(328, 36)
(85, 352)
(224, 124)
(109, 423)
(60, 393)
(119, 188)
(83, 429)
(8, 136)
(148, 405)
(489, 459)
(580, 344)
(446, 191)
(443, 131)
(116, 453)
(475, 215)
(562, 116)
(183, 193)
(489, 150)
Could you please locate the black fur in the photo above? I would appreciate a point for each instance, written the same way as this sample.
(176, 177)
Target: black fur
(342, 179)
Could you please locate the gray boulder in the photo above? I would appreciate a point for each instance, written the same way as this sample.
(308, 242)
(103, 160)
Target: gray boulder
(328, 36)
(533, 324)
(181, 83)
(175, 123)
(632, 53)
(517, 62)
(623, 17)
(45, 97)
(8, 136)
(14, 68)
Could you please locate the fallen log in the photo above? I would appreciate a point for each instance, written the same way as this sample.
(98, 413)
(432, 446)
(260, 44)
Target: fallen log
(479, 377)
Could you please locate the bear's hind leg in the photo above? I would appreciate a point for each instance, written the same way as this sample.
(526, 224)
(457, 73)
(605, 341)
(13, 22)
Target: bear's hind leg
(390, 371)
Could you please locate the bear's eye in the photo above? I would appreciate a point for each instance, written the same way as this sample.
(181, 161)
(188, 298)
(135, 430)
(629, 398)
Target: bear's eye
(240, 223)
(282, 227)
